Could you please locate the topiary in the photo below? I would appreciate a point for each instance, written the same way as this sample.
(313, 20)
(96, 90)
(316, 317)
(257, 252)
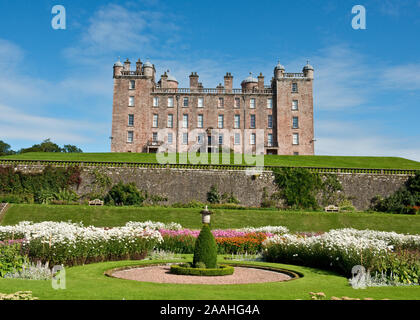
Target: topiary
(205, 250)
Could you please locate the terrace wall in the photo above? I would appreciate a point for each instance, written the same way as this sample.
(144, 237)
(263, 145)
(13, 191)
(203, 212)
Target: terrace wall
(184, 185)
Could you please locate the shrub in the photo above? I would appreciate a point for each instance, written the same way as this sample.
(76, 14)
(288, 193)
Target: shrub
(331, 188)
(124, 194)
(17, 198)
(11, 259)
(229, 198)
(298, 187)
(185, 269)
(205, 248)
(403, 201)
(213, 195)
(40, 185)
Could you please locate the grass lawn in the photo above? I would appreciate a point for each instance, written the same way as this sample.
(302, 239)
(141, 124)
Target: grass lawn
(299, 161)
(89, 283)
(223, 219)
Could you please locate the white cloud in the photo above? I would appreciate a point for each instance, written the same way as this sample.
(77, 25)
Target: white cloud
(15, 124)
(405, 77)
(347, 138)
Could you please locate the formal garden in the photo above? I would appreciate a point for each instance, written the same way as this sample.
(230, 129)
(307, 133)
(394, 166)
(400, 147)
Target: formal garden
(133, 247)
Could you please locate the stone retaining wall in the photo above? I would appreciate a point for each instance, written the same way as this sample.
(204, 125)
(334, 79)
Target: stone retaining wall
(184, 185)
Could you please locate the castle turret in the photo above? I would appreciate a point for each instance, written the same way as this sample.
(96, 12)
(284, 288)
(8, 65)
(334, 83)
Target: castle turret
(118, 66)
(148, 69)
(279, 71)
(308, 71)
(172, 82)
(249, 83)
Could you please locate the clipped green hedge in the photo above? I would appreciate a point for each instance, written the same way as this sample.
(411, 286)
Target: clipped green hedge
(184, 269)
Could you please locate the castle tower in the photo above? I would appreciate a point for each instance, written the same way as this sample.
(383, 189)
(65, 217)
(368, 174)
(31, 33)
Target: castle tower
(308, 71)
(279, 71)
(118, 66)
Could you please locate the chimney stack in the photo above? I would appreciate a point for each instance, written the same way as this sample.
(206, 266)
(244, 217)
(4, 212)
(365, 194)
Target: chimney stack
(193, 80)
(260, 82)
(228, 81)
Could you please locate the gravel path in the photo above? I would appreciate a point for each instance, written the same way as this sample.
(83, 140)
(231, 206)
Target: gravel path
(161, 274)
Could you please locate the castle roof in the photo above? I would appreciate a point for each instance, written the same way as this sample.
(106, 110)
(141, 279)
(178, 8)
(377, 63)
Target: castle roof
(308, 67)
(171, 78)
(250, 78)
(118, 64)
(279, 66)
(148, 64)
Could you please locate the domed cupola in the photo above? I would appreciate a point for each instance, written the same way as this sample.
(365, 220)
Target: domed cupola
(249, 82)
(308, 71)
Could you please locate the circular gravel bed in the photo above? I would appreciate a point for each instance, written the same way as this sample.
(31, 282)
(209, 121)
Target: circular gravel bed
(161, 274)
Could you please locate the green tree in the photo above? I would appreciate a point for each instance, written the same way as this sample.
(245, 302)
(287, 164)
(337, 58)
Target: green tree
(5, 149)
(71, 149)
(205, 250)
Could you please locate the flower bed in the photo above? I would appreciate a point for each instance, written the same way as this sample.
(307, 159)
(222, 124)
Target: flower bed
(341, 250)
(71, 243)
(246, 240)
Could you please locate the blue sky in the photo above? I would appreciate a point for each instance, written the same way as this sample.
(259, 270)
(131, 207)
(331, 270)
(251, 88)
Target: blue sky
(58, 83)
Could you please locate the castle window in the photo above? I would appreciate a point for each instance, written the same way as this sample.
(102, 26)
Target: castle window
(200, 138)
(237, 102)
(131, 101)
(252, 121)
(155, 121)
(252, 103)
(270, 103)
(131, 120)
(170, 102)
(200, 121)
(220, 139)
(170, 120)
(156, 101)
(200, 103)
(132, 84)
(237, 140)
(221, 103)
(185, 121)
(295, 105)
(295, 138)
(294, 87)
(155, 137)
(270, 140)
(220, 121)
(185, 104)
(185, 138)
(295, 122)
(295, 153)
(237, 123)
(252, 138)
(170, 138)
(129, 136)
(270, 121)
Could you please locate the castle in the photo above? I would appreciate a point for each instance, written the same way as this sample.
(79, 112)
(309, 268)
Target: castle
(150, 116)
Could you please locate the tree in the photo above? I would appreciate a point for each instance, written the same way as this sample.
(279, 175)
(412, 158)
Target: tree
(48, 146)
(5, 149)
(71, 149)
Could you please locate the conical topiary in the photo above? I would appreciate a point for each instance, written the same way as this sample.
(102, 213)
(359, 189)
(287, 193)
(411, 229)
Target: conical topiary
(205, 250)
